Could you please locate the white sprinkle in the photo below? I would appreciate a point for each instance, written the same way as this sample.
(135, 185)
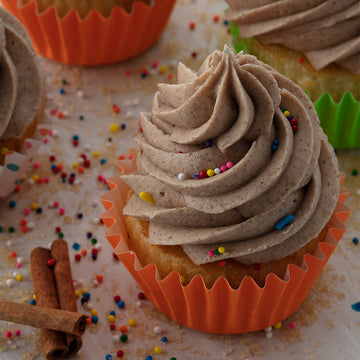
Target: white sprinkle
(268, 329)
(135, 102)
(80, 160)
(128, 115)
(10, 282)
(139, 304)
(157, 330)
(20, 260)
(55, 134)
(95, 203)
(87, 147)
(31, 225)
(30, 181)
(9, 243)
(181, 176)
(50, 204)
(217, 171)
(269, 335)
(80, 94)
(98, 246)
(116, 338)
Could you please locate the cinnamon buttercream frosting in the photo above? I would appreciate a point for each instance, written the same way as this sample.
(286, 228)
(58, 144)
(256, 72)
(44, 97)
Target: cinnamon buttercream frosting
(22, 87)
(233, 157)
(325, 31)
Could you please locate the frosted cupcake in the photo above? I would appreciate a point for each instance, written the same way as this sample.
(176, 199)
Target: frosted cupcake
(92, 32)
(316, 44)
(22, 101)
(234, 186)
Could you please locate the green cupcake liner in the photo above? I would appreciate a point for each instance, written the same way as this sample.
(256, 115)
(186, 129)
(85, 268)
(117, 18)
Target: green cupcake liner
(340, 121)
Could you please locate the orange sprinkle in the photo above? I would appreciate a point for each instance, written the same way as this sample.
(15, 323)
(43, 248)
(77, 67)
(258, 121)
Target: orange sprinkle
(99, 278)
(81, 170)
(60, 115)
(121, 157)
(192, 25)
(216, 18)
(13, 254)
(83, 252)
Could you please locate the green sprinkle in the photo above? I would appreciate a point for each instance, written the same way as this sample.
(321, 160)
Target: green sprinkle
(93, 240)
(60, 235)
(354, 172)
(11, 229)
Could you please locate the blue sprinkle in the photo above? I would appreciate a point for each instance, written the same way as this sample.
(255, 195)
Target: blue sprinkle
(94, 319)
(76, 137)
(289, 117)
(123, 126)
(164, 339)
(149, 358)
(209, 143)
(39, 210)
(197, 176)
(63, 180)
(76, 246)
(274, 148)
(84, 300)
(94, 256)
(53, 167)
(121, 304)
(32, 302)
(356, 306)
(110, 139)
(112, 312)
(108, 357)
(12, 203)
(73, 175)
(87, 295)
(276, 142)
(1, 229)
(62, 91)
(285, 221)
(143, 75)
(102, 161)
(79, 215)
(226, 22)
(89, 235)
(355, 240)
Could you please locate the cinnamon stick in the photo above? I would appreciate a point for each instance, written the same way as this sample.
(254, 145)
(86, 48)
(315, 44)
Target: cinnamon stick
(65, 288)
(43, 317)
(54, 342)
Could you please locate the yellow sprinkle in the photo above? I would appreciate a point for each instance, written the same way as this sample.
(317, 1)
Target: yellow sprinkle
(132, 322)
(93, 312)
(162, 69)
(34, 297)
(35, 177)
(277, 325)
(182, 279)
(221, 249)
(111, 319)
(210, 172)
(34, 206)
(114, 127)
(147, 197)
(19, 277)
(75, 165)
(157, 350)
(287, 113)
(96, 153)
(77, 294)
(4, 150)
(83, 291)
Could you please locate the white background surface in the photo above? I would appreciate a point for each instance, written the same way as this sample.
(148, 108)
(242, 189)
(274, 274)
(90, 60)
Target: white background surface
(326, 327)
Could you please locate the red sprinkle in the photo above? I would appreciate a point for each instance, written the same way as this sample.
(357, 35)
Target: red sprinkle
(51, 262)
(216, 18)
(116, 109)
(192, 25)
(141, 295)
(300, 60)
(112, 327)
(120, 354)
(77, 257)
(222, 263)
(117, 298)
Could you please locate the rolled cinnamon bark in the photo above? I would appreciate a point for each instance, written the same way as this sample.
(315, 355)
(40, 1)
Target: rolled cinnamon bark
(43, 317)
(54, 342)
(65, 288)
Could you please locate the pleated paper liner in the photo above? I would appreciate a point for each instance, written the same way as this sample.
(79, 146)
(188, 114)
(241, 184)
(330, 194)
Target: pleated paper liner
(94, 40)
(339, 120)
(220, 309)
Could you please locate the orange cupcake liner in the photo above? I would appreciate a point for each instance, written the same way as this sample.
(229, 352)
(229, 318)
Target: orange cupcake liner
(221, 309)
(94, 40)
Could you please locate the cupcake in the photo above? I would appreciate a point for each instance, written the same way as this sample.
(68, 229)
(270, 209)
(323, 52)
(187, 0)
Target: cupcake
(233, 199)
(316, 44)
(22, 101)
(92, 32)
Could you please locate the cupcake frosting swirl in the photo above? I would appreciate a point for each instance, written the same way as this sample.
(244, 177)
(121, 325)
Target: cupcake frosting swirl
(325, 31)
(224, 164)
(21, 82)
